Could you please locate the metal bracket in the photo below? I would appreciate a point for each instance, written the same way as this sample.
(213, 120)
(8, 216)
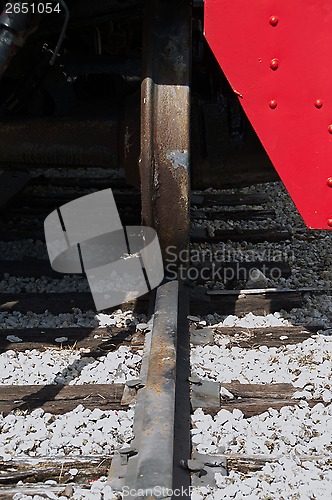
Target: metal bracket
(135, 383)
(202, 336)
(128, 396)
(205, 393)
(204, 467)
(118, 469)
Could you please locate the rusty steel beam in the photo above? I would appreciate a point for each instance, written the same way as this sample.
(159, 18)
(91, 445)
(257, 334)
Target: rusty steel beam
(153, 462)
(61, 142)
(152, 467)
(165, 119)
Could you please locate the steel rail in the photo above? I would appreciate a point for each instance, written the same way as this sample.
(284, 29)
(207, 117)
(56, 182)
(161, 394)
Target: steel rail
(162, 411)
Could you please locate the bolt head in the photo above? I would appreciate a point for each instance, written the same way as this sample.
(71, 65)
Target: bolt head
(329, 222)
(273, 104)
(329, 182)
(318, 103)
(330, 129)
(274, 64)
(274, 21)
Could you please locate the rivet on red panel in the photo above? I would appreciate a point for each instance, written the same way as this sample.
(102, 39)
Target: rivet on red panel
(330, 129)
(273, 104)
(329, 182)
(274, 21)
(318, 103)
(329, 222)
(274, 64)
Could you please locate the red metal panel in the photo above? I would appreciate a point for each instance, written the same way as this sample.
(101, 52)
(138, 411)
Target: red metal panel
(277, 58)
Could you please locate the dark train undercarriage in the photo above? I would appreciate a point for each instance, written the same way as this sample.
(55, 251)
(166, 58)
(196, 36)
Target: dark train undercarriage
(124, 84)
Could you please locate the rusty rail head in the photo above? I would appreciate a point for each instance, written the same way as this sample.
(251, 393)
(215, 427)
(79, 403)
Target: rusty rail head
(151, 469)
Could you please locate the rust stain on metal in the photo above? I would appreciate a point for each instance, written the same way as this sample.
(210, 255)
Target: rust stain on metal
(60, 142)
(162, 362)
(154, 422)
(174, 55)
(165, 118)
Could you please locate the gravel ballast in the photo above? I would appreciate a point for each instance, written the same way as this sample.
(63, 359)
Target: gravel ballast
(292, 431)
(291, 436)
(306, 365)
(79, 432)
(65, 366)
(283, 435)
(307, 251)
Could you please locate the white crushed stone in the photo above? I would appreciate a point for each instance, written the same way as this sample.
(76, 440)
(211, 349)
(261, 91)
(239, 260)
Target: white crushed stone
(76, 318)
(284, 480)
(248, 320)
(67, 366)
(291, 431)
(316, 311)
(99, 490)
(251, 320)
(117, 367)
(78, 432)
(286, 435)
(306, 365)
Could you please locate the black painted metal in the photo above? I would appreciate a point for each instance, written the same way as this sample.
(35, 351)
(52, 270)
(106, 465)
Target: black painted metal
(13, 32)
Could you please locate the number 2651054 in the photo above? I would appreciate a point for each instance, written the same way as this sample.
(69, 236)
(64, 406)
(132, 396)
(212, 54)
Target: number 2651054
(34, 7)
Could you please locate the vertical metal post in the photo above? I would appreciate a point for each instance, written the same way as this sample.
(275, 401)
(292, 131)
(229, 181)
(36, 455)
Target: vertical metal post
(165, 120)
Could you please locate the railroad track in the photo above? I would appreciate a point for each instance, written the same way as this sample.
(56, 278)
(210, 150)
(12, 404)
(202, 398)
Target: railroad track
(167, 388)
